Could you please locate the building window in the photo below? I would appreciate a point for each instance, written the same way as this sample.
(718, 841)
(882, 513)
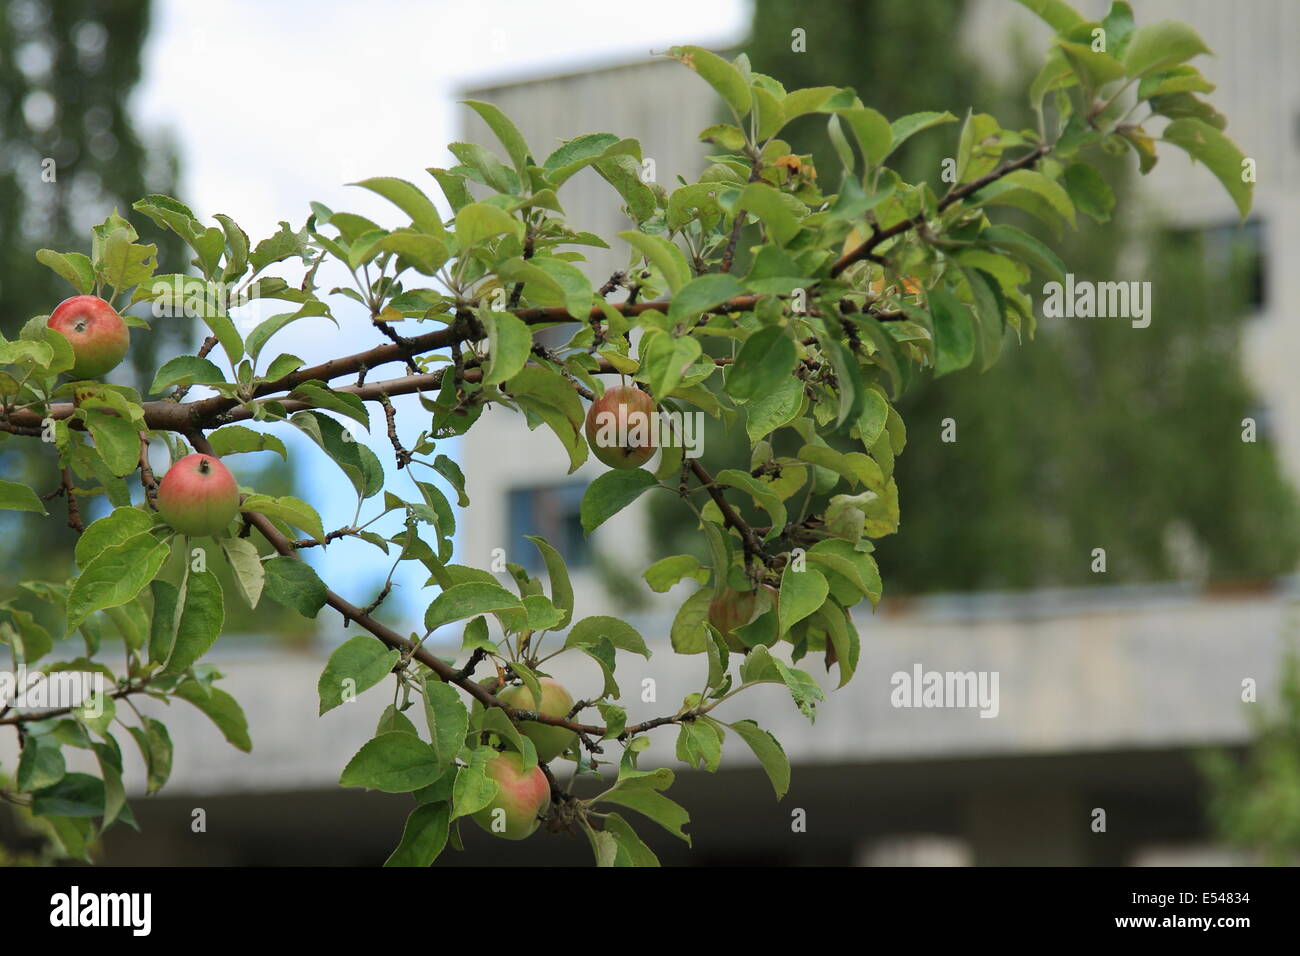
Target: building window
(550, 512)
(1233, 249)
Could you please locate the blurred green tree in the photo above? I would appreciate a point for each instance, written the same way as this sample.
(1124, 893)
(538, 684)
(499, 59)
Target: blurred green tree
(1255, 800)
(72, 155)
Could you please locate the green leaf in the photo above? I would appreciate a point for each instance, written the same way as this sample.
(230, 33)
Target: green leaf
(1161, 45)
(842, 637)
(246, 568)
(639, 792)
(1058, 14)
(623, 172)
(663, 574)
(447, 718)
(473, 789)
(764, 496)
(320, 395)
(767, 358)
(116, 439)
(575, 154)
(561, 587)
(665, 358)
(858, 567)
(295, 585)
(719, 74)
(954, 333)
(394, 763)
(688, 634)
(990, 324)
(200, 621)
(766, 413)
(468, 600)
(701, 294)
(41, 764)
(769, 752)
(663, 254)
(235, 439)
(115, 576)
(1026, 247)
(872, 131)
(162, 624)
(18, 497)
(505, 131)
(478, 222)
(611, 493)
(287, 508)
(76, 795)
(425, 253)
(908, 126)
(481, 165)
(281, 366)
(510, 342)
(408, 197)
(73, 266)
(576, 286)
(222, 709)
(761, 667)
(356, 665)
(355, 459)
(802, 593)
(155, 745)
(1031, 191)
(592, 630)
(1089, 192)
(772, 208)
(698, 745)
(630, 850)
(185, 370)
(424, 836)
(1220, 155)
(267, 328)
(393, 720)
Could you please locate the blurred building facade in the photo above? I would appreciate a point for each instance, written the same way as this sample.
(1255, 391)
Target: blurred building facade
(1104, 696)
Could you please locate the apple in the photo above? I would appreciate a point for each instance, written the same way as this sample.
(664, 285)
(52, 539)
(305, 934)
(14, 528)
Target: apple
(198, 496)
(729, 610)
(521, 798)
(620, 429)
(98, 336)
(556, 702)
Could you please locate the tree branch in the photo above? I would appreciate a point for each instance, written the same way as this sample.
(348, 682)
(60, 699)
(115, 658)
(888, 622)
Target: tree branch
(879, 236)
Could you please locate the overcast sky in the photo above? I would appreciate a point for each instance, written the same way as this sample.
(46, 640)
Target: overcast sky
(274, 105)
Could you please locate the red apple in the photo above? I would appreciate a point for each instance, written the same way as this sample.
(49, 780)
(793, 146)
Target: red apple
(556, 702)
(198, 496)
(729, 610)
(620, 429)
(515, 811)
(98, 336)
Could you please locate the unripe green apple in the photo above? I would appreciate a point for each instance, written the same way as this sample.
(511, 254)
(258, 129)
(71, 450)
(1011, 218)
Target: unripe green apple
(198, 496)
(515, 811)
(556, 702)
(619, 427)
(729, 610)
(98, 336)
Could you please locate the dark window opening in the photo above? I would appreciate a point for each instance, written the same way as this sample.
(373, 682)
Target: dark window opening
(550, 512)
(1238, 251)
